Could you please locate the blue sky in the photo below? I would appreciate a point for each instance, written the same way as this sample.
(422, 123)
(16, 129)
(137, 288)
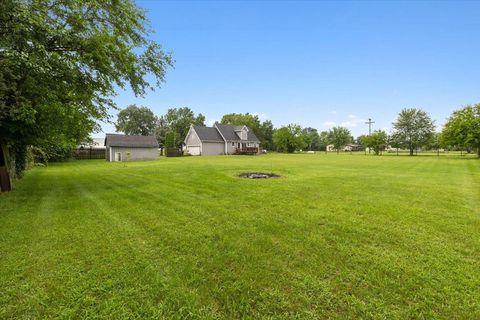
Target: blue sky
(316, 63)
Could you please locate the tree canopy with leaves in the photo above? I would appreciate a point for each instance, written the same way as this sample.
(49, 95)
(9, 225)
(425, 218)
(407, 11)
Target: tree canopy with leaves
(289, 138)
(60, 65)
(413, 129)
(462, 129)
(312, 139)
(135, 120)
(267, 130)
(339, 137)
(377, 141)
(178, 121)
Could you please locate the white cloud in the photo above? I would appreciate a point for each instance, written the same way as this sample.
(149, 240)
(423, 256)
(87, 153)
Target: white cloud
(329, 123)
(353, 122)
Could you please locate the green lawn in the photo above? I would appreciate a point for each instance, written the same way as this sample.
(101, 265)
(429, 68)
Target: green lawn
(338, 236)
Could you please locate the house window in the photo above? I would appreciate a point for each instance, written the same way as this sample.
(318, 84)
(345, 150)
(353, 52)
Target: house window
(233, 144)
(238, 145)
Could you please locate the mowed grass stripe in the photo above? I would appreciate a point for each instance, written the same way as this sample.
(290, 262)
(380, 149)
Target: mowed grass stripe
(344, 236)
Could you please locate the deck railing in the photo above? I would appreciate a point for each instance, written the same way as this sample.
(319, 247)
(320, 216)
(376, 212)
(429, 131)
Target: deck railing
(247, 150)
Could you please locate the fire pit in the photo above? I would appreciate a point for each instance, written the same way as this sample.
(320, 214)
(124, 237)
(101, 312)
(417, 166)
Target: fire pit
(258, 175)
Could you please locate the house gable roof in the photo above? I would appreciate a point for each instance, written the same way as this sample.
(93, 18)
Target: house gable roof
(229, 132)
(121, 140)
(208, 134)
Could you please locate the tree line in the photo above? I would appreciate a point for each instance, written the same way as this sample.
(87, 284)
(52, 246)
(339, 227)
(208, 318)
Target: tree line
(412, 130)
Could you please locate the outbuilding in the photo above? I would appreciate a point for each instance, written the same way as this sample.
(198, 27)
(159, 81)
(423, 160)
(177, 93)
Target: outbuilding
(120, 147)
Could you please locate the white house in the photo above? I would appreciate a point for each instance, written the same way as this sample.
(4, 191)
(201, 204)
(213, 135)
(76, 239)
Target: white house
(221, 139)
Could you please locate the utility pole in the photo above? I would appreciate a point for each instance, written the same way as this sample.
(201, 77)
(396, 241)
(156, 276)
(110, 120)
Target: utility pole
(370, 122)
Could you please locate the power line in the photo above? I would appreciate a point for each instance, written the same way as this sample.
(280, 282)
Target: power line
(370, 122)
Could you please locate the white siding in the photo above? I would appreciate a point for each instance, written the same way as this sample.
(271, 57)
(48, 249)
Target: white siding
(193, 150)
(136, 154)
(213, 148)
(192, 138)
(244, 134)
(192, 143)
(231, 149)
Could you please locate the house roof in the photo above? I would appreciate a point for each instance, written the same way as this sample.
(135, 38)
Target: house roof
(228, 132)
(208, 134)
(121, 140)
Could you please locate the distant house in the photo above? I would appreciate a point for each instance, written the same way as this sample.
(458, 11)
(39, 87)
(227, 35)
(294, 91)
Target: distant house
(221, 139)
(353, 147)
(331, 148)
(120, 147)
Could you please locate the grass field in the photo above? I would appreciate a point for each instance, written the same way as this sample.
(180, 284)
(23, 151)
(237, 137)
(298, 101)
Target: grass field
(338, 236)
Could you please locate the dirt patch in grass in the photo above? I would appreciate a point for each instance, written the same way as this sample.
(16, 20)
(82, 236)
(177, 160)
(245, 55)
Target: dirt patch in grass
(258, 175)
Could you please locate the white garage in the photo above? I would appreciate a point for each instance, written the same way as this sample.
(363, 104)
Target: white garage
(193, 150)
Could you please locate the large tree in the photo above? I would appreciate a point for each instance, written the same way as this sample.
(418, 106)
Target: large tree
(135, 120)
(289, 138)
(339, 137)
(247, 119)
(178, 121)
(462, 129)
(60, 63)
(413, 129)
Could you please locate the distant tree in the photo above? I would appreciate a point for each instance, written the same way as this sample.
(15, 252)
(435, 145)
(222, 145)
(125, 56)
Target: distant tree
(134, 120)
(178, 120)
(161, 130)
(323, 141)
(394, 142)
(339, 137)
(413, 129)
(267, 130)
(360, 140)
(311, 138)
(463, 129)
(60, 64)
(436, 142)
(247, 119)
(377, 141)
(289, 138)
(170, 140)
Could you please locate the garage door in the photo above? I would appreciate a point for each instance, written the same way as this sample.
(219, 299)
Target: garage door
(193, 150)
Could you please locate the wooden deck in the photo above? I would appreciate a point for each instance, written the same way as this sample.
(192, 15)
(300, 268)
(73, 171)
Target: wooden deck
(246, 150)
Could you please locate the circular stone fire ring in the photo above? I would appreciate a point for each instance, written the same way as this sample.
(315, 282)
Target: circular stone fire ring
(258, 175)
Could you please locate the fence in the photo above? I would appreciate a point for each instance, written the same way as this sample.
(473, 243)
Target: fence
(173, 152)
(89, 153)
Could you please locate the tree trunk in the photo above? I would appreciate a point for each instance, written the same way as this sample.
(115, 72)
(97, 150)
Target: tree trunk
(478, 151)
(5, 180)
(411, 151)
